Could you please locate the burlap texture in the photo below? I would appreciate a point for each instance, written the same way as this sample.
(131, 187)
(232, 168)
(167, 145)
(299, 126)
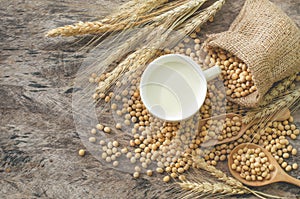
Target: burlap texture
(267, 41)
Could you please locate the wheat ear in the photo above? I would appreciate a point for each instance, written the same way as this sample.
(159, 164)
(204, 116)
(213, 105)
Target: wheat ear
(129, 45)
(200, 18)
(190, 25)
(169, 19)
(134, 61)
(278, 89)
(126, 17)
(285, 101)
(200, 189)
(201, 164)
(150, 5)
(137, 59)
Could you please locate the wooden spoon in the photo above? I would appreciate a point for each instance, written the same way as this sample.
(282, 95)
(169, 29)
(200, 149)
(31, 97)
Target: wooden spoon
(277, 175)
(281, 116)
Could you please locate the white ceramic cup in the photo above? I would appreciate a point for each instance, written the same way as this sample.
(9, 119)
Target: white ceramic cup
(173, 87)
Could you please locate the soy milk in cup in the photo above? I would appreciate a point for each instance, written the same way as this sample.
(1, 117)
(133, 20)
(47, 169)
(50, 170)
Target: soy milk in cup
(173, 87)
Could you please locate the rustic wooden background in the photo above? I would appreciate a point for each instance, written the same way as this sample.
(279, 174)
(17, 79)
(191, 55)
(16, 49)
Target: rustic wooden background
(38, 140)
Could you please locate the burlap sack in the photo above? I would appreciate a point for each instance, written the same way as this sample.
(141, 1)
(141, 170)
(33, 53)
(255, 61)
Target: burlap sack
(265, 39)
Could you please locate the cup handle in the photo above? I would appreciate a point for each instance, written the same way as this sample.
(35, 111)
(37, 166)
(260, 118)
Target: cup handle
(212, 73)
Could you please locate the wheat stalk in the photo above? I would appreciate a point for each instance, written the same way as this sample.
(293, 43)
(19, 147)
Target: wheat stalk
(82, 28)
(95, 27)
(285, 101)
(126, 18)
(197, 185)
(132, 17)
(200, 163)
(175, 11)
(171, 17)
(134, 61)
(137, 59)
(200, 189)
(142, 56)
(277, 90)
(202, 17)
(129, 45)
(190, 25)
(150, 5)
(185, 27)
(165, 8)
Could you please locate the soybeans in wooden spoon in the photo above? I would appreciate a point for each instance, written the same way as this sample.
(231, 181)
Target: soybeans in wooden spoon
(253, 165)
(281, 116)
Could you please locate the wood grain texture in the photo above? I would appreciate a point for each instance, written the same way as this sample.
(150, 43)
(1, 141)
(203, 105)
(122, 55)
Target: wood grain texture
(38, 139)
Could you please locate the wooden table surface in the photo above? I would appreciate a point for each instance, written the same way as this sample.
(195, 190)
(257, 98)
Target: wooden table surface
(38, 140)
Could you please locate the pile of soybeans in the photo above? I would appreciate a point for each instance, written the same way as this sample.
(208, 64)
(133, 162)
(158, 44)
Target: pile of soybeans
(252, 164)
(236, 75)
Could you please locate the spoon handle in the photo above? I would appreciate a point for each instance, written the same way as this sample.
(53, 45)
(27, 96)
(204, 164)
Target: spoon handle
(290, 179)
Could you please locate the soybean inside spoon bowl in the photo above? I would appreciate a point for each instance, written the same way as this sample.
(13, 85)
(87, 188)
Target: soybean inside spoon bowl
(277, 175)
(281, 116)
